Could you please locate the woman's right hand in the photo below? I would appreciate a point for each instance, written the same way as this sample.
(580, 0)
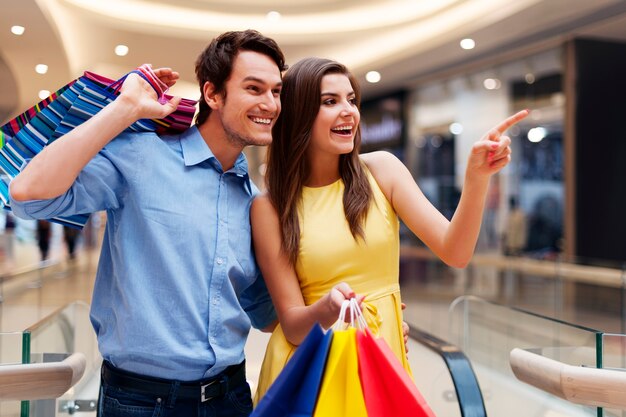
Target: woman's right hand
(337, 295)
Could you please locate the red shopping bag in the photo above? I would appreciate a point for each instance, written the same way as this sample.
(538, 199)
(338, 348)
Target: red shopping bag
(387, 387)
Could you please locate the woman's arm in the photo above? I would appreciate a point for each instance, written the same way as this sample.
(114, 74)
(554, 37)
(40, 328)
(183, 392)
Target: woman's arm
(452, 241)
(296, 319)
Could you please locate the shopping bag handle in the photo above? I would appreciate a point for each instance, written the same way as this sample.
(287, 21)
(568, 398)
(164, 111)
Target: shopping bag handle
(144, 71)
(357, 320)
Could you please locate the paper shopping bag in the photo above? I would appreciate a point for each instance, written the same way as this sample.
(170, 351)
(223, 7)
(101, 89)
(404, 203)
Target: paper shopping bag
(10, 165)
(27, 134)
(10, 129)
(341, 393)
(388, 389)
(294, 392)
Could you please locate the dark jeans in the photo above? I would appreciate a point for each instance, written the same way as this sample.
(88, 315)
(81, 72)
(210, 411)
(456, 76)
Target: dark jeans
(120, 402)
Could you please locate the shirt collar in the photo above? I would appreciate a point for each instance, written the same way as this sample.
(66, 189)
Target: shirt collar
(195, 151)
(240, 169)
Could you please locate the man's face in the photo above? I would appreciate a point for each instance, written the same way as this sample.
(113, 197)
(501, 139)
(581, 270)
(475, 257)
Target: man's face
(251, 103)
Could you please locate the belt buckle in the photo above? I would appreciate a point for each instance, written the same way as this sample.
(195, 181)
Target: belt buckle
(203, 397)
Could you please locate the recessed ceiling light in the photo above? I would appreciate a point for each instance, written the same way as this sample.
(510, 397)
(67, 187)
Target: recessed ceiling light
(17, 30)
(468, 43)
(43, 94)
(492, 83)
(273, 16)
(536, 134)
(41, 68)
(372, 77)
(456, 128)
(121, 50)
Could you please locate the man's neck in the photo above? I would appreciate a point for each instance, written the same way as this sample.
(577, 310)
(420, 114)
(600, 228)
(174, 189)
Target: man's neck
(214, 136)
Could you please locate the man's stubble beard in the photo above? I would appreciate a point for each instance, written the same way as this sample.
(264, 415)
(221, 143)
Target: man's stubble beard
(237, 139)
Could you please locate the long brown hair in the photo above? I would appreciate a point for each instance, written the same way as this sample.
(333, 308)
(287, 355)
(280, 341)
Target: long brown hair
(287, 166)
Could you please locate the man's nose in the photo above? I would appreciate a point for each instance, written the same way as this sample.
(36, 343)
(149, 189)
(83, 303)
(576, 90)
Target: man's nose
(270, 102)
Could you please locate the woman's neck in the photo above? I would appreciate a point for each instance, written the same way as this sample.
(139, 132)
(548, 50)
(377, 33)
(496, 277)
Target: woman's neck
(323, 171)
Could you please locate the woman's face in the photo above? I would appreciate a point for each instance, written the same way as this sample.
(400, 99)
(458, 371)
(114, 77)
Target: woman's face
(338, 118)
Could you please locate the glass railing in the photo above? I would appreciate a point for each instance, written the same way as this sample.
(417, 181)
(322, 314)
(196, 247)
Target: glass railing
(591, 293)
(22, 270)
(32, 276)
(62, 333)
(13, 349)
(614, 357)
(444, 375)
(487, 332)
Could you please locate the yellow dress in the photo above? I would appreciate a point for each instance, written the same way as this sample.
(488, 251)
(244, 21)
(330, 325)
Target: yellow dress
(329, 254)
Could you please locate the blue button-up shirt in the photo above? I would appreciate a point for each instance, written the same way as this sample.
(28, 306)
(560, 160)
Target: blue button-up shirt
(177, 285)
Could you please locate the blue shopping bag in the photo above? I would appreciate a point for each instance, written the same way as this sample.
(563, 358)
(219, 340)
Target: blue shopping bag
(294, 392)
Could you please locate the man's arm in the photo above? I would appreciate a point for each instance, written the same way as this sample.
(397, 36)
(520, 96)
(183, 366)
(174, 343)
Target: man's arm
(256, 302)
(53, 171)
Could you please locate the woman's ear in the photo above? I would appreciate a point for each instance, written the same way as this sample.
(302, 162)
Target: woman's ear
(212, 98)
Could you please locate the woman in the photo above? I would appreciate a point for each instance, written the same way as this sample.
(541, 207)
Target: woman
(327, 229)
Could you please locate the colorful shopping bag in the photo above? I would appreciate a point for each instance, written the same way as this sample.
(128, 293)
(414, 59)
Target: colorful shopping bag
(387, 388)
(294, 392)
(341, 393)
(9, 167)
(10, 129)
(27, 134)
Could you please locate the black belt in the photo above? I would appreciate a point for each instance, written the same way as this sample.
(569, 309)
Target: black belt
(203, 390)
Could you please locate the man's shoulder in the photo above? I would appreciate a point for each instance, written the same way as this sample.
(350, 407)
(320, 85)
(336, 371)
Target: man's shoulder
(141, 142)
(126, 139)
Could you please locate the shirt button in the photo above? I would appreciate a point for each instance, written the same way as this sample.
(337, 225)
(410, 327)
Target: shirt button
(214, 300)
(219, 261)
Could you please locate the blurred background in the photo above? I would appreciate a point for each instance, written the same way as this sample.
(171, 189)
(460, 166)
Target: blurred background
(435, 75)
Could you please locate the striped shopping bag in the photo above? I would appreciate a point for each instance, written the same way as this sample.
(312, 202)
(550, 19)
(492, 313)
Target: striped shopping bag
(26, 135)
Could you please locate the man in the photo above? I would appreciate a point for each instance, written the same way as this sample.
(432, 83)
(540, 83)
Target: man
(177, 284)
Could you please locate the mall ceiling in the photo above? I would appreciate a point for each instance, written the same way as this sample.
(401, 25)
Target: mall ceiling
(406, 41)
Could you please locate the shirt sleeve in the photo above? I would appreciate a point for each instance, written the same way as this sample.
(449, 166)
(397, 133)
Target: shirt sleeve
(98, 186)
(257, 303)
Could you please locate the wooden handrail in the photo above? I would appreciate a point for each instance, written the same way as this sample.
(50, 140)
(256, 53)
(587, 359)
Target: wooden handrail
(597, 275)
(577, 384)
(37, 381)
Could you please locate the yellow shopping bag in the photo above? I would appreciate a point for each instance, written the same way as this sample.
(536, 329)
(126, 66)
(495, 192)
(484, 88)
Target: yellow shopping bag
(341, 393)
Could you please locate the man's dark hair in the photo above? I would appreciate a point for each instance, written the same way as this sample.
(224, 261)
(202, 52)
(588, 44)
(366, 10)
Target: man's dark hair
(215, 63)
